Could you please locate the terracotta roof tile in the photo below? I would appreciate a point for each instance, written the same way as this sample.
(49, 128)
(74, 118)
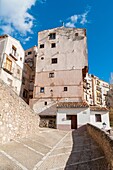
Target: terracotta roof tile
(98, 108)
(72, 105)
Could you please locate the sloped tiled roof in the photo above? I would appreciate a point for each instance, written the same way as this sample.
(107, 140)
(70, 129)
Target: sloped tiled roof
(72, 105)
(51, 111)
(98, 108)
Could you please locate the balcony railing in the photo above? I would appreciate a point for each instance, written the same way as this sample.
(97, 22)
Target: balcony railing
(14, 56)
(98, 88)
(8, 68)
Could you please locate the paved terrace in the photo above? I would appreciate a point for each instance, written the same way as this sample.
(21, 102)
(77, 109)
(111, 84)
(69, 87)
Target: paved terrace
(52, 149)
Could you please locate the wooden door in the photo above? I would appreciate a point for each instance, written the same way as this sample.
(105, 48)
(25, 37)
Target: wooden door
(74, 122)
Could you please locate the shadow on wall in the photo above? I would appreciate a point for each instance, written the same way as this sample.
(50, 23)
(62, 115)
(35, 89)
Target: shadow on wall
(85, 154)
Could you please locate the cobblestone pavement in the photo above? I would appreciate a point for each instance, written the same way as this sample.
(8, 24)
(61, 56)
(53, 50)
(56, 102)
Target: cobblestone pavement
(52, 149)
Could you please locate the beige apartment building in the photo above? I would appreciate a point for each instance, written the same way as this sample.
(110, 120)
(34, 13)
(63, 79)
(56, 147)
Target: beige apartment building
(61, 66)
(11, 62)
(95, 90)
(29, 74)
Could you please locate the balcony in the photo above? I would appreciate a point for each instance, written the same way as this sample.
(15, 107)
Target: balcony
(86, 85)
(14, 56)
(8, 68)
(98, 89)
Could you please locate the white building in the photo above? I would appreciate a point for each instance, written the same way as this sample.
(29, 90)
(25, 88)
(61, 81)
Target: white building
(99, 116)
(74, 115)
(11, 62)
(95, 90)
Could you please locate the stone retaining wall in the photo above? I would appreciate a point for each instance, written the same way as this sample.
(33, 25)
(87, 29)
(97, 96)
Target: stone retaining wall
(104, 141)
(17, 120)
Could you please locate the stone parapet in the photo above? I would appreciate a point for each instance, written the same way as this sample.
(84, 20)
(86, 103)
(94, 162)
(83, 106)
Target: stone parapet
(104, 141)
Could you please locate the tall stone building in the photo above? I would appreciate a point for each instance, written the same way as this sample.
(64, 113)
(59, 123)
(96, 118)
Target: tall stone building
(11, 62)
(29, 74)
(61, 66)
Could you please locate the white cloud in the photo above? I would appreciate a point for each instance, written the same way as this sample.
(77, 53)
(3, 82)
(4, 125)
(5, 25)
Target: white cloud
(78, 19)
(70, 24)
(15, 17)
(84, 18)
(26, 39)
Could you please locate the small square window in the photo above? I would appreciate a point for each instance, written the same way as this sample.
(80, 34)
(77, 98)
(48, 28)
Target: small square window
(98, 117)
(54, 60)
(52, 36)
(41, 45)
(53, 45)
(25, 93)
(76, 34)
(42, 58)
(65, 88)
(30, 52)
(51, 75)
(45, 103)
(41, 89)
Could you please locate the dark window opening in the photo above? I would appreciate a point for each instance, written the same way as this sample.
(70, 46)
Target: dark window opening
(42, 58)
(41, 89)
(52, 36)
(98, 117)
(65, 88)
(23, 80)
(76, 34)
(51, 75)
(68, 117)
(54, 60)
(51, 91)
(30, 96)
(14, 50)
(30, 52)
(53, 45)
(18, 71)
(25, 93)
(41, 45)
(45, 103)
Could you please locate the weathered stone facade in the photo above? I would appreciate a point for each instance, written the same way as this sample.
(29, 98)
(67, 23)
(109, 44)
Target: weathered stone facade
(61, 65)
(104, 141)
(17, 120)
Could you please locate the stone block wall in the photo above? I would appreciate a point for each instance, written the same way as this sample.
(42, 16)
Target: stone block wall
(17, 120)
(104, 141)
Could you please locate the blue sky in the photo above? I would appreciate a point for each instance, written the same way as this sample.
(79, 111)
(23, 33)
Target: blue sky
(24, 19)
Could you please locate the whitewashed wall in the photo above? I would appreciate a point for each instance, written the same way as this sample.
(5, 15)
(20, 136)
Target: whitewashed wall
(83, 116)
(104, 118)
